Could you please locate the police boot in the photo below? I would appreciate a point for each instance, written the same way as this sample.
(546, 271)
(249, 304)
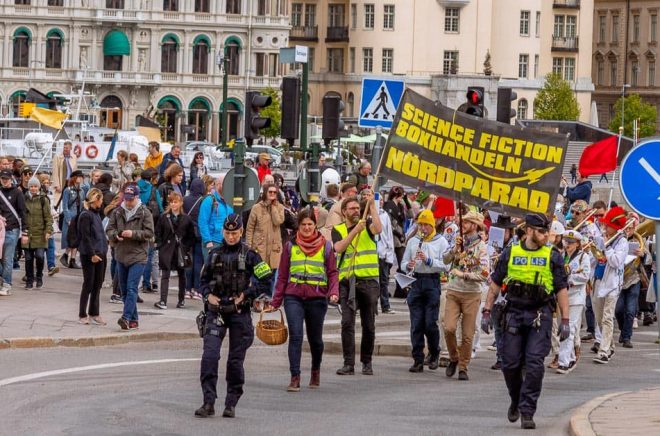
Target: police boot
(205, 411)
(513, 413)
(346, 370)
(527, 422)
(417, 367)
(433, 364)
(315, 379)
(294, 385)
(229, 412)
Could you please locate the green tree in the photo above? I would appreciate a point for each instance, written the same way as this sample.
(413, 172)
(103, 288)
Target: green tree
(634, 108)
(274, 112)
(556, 101)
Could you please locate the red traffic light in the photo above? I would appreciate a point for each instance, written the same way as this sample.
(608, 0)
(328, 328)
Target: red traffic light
(474, 96)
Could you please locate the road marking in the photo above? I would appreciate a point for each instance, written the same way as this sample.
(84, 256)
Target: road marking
(38, 375)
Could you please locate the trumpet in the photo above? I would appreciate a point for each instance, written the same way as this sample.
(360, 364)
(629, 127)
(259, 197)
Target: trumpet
(581, 223)
(598, 253)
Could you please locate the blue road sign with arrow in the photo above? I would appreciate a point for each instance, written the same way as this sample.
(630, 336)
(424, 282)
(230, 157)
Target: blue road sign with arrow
(379, 101)
(640, 179)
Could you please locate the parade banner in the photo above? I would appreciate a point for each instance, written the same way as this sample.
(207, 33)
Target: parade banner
(473, 160)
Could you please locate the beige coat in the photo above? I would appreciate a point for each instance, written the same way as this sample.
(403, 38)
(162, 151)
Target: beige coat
(263, 232)
(58, 180)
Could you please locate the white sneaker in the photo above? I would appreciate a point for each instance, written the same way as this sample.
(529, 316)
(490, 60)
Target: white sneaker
(5, 291)
(635, 323)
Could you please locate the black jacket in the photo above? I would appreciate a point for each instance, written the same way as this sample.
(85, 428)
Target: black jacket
(92, 236)
(193, 201)
(166, 241)
(108, 196)
(16, 199)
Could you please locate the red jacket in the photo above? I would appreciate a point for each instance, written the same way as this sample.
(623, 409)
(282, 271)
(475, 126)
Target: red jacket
(262, 170)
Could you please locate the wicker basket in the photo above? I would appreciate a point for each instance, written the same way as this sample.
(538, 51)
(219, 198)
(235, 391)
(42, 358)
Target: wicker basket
(272, 331)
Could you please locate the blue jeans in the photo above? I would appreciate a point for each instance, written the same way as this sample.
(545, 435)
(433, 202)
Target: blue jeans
(50, 253)
(146, 275)
(626, 310)
(129, 280)
(193, 274)
(8, 251)
(312, 312)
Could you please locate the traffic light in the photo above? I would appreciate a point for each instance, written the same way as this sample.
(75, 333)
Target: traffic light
(475, 101)
(254, 102)
(504, 110)
(290, 126)
(332, 122)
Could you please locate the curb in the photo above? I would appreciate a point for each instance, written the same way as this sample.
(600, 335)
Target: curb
(94, 341)
(396, 350)
(579, 424)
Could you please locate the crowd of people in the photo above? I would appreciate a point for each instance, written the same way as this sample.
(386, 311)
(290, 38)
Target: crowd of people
(157, 219)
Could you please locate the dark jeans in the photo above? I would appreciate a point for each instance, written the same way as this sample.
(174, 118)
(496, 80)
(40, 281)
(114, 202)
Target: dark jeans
(399, 252)
(626, 310)
(165, 284)
(146, 275)
(424, 304)
(32, 256)
(129, 279)
(241, 336)
(591, 317)
(93, 276)
(312, 312)
(497, 331)
(193, 274)
(366, 301)
(384, 280)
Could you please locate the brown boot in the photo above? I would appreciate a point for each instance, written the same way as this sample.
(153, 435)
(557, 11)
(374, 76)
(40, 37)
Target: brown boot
(315, 379)
(555, 363)
(577, 354)
(294, 386)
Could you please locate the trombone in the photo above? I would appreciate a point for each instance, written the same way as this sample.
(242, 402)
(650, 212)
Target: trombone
(598, 253)
(581, 223)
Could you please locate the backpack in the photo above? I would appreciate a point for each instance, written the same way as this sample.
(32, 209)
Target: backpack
(73, 235)
(152, 204)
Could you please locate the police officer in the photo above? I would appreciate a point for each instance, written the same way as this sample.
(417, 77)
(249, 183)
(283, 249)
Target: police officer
(531, 274)
(228, 295)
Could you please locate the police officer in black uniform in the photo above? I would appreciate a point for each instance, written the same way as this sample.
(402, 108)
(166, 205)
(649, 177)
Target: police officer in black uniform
(532, 276)
(228, 296)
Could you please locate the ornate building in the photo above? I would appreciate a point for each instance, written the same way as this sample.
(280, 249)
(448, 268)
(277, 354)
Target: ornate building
(139, 57)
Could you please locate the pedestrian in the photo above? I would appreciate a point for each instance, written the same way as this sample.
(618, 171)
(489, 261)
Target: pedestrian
(307, 279)
(386, 258)
(603, 176)
(104, 184)
(423, 258)
(175, 236)
(263, 233)
(53, 269)
(174, 156)
(130, 228)
(12, 209)
(173, 183)
(233, 276)
(581, 191)
(355, 244)
(360, 179)
(536, 282)
(150, 196)
(72, 204)
(40, 229)
(134, 160)
(122, 172)
(213, 212)
(63, 165)
(197, 167)
(470, 267)
(573, 173)
(93, 249)
(155, 156)
(191, 206)
(335, 215)
(396, 210)
(263, 168)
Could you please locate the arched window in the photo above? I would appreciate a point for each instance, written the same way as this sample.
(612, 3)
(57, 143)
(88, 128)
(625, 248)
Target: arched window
(198, 117)
(54, 41)
(233, 50)
(523, 106)
(201, 47)
(168, 54)
(168, 109)
(110, 114)
(21, 57)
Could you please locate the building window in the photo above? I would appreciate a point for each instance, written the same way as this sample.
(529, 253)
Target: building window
(523, 66)
(536, 66)
(557, 66)
(310, 15)
(524, 23)
(54, 50)
(21, 2)
(634, 73)
(538, 24)
(369, 16)
(651, 73)
(273, 65)
(569, 69)
(335, 60)
(233, 6)
(335, 15)
(260, 71)
(388, 60)
(452, 18)
(112, 63)
(654, 27)
(353, 16)
(367, 60)
(202, 6)
(600, 75)
(171, 5)
(113, 4)
(168, 54)
(635, 35)
(558, 31)
(615, 28)
(233, 53)
(200, 57)
(601, 28)
(261, 8)
(388, 17)
(571, 26)
(613, 72)
(450, 62)
(351, 60)
(296, 14)
(21, 57)
(55, 2)
(311, 53)
(523, 106)
(198, 116)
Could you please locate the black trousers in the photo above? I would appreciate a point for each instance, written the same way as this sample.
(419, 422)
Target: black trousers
(241, 336)
(93, 276)
(165, 284)
(399, 252)
(32, 256)
(366, 301)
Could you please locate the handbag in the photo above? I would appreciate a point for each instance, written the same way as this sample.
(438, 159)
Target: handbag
(183, 259)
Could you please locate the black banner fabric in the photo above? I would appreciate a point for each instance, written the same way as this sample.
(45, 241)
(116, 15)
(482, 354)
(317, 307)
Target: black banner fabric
(473, 160)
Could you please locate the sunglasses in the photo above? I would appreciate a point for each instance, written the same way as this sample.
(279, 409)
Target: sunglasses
(272, 192)
(29, 173)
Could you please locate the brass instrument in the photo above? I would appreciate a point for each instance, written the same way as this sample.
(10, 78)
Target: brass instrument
(598, 254)
(632, 266)
(581, 223)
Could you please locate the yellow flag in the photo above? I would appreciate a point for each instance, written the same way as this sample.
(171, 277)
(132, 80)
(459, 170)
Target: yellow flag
(231, 143)
(48, 117)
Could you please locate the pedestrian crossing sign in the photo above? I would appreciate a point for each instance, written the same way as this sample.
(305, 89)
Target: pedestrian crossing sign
(380, 99)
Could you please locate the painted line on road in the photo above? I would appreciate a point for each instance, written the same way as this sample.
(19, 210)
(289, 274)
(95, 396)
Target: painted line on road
(38, 375)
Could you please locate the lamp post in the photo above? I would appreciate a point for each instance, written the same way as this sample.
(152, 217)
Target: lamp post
(223, 63)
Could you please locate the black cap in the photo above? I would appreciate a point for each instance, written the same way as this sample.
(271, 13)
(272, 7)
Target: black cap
(6, 174)
(538, 220)
(26, 169)
(504, 221)
(233, 222)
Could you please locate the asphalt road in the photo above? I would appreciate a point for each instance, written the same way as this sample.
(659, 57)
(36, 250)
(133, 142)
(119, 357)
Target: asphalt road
(153, 389)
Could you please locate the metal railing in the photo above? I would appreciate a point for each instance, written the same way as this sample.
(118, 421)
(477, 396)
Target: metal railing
(304, 33)
(337, 34)
(563, 43)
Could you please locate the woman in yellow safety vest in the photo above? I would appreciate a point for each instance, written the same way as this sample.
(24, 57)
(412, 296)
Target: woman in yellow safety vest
(308, 278)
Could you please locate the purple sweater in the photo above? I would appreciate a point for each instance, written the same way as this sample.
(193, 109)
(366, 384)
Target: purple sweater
(285, 287)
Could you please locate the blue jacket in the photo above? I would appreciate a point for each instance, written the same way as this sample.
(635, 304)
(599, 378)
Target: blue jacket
(72, 202)
(212, 215)
(581, 191)
(145, 193)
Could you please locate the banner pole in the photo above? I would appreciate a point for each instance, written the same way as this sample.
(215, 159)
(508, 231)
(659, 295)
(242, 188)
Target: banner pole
(618, 147)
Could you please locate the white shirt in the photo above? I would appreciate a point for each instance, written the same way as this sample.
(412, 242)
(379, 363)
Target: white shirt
(613, 277)
(385, 243)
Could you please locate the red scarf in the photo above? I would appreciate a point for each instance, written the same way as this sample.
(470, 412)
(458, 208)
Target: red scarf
(311, 245)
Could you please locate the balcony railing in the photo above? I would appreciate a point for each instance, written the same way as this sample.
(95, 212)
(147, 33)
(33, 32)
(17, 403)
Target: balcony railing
(121, 15)
(337, 34)
(571, 4)
(561, 43)
(304, 33)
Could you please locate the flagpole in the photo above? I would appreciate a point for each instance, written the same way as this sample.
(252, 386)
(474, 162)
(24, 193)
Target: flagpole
(618, 147)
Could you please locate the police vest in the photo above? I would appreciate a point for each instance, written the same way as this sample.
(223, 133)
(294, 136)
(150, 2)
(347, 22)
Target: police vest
(307, 269)
(525, 266)
(365, 264)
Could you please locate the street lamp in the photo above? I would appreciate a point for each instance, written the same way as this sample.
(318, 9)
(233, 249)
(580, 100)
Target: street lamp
(222, 61)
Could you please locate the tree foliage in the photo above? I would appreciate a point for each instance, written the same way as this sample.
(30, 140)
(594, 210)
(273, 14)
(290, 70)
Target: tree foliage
(634, 108)
(273, 111)
(556, 100)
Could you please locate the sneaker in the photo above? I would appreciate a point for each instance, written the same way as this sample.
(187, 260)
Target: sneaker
(64, 260)
(73, 264)
(609, 356)
(572, 365)
(154, 287)
(451, 369)
(24, 279)
(474, 354)
(133, 325)
(123, 323)
(346, 370)
(595, 347)
(389, 311)
(635, 323)
(29, 285)
(180, 305)
(116, 299)
(160, 305)
(496, 366)
(587, 338)
(463, 375)
(443, 362)
(196, 296)
(601, 359)
(527, 423)
(5, 292)
(53, 270)
(561, 369)
(146, 289)
(40, 283)
(513, 413)
(555, 363)
(491, 348)
(627, 344)
(188, 295)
